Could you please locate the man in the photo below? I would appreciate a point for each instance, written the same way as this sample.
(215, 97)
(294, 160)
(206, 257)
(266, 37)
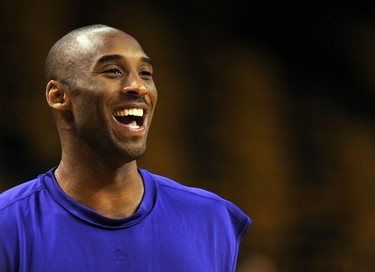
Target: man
(97, 211)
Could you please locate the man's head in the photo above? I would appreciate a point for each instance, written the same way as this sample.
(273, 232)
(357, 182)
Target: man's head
(100, 88)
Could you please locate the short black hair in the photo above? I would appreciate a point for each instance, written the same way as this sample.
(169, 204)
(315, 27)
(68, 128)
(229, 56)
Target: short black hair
(62, 56)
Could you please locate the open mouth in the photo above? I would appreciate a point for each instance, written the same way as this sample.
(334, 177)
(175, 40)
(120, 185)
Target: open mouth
(132, 118)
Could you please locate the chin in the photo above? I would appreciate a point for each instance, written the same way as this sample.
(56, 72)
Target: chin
(134, 152)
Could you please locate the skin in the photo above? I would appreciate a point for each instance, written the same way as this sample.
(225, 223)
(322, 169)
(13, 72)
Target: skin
(98, 164)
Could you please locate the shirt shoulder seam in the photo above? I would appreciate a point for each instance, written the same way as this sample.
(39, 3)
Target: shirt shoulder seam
(22, 198)
(217, 199)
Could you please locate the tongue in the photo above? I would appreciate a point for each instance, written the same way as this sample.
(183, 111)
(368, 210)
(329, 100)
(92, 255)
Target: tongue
(127, 121)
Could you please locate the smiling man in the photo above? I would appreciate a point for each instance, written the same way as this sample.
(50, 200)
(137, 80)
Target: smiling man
(97, 210)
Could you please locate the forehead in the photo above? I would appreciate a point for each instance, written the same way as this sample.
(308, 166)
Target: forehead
(94, 45)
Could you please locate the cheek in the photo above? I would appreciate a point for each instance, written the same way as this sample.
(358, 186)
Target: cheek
(153, 94)
(155, 98)
(87, 107)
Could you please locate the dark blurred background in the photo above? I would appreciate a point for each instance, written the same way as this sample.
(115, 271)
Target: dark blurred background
(269, 105)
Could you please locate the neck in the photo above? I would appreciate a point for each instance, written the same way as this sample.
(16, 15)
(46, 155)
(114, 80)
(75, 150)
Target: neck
(112, 192)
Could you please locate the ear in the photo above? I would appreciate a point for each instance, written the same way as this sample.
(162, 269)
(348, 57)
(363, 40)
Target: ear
(57, 96)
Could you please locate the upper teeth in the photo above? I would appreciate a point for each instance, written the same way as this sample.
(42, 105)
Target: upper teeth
(126, 112)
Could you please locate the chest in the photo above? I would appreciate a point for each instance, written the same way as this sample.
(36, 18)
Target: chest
(156, 244)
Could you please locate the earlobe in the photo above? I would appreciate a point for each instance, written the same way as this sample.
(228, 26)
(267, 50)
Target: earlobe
(56, 95)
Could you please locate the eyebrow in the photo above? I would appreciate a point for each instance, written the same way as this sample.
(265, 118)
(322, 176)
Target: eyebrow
(147, 60)
(107, 58)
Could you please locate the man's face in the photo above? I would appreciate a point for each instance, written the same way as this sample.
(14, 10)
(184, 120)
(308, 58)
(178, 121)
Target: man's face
(114, 95)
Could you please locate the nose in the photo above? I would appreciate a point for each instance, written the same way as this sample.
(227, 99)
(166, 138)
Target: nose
(135, 86)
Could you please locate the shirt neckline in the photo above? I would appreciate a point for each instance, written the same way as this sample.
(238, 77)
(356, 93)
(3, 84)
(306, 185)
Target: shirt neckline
(92, 217)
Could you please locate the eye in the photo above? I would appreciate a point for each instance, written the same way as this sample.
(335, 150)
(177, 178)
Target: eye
(145, 74)
(113, 71)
